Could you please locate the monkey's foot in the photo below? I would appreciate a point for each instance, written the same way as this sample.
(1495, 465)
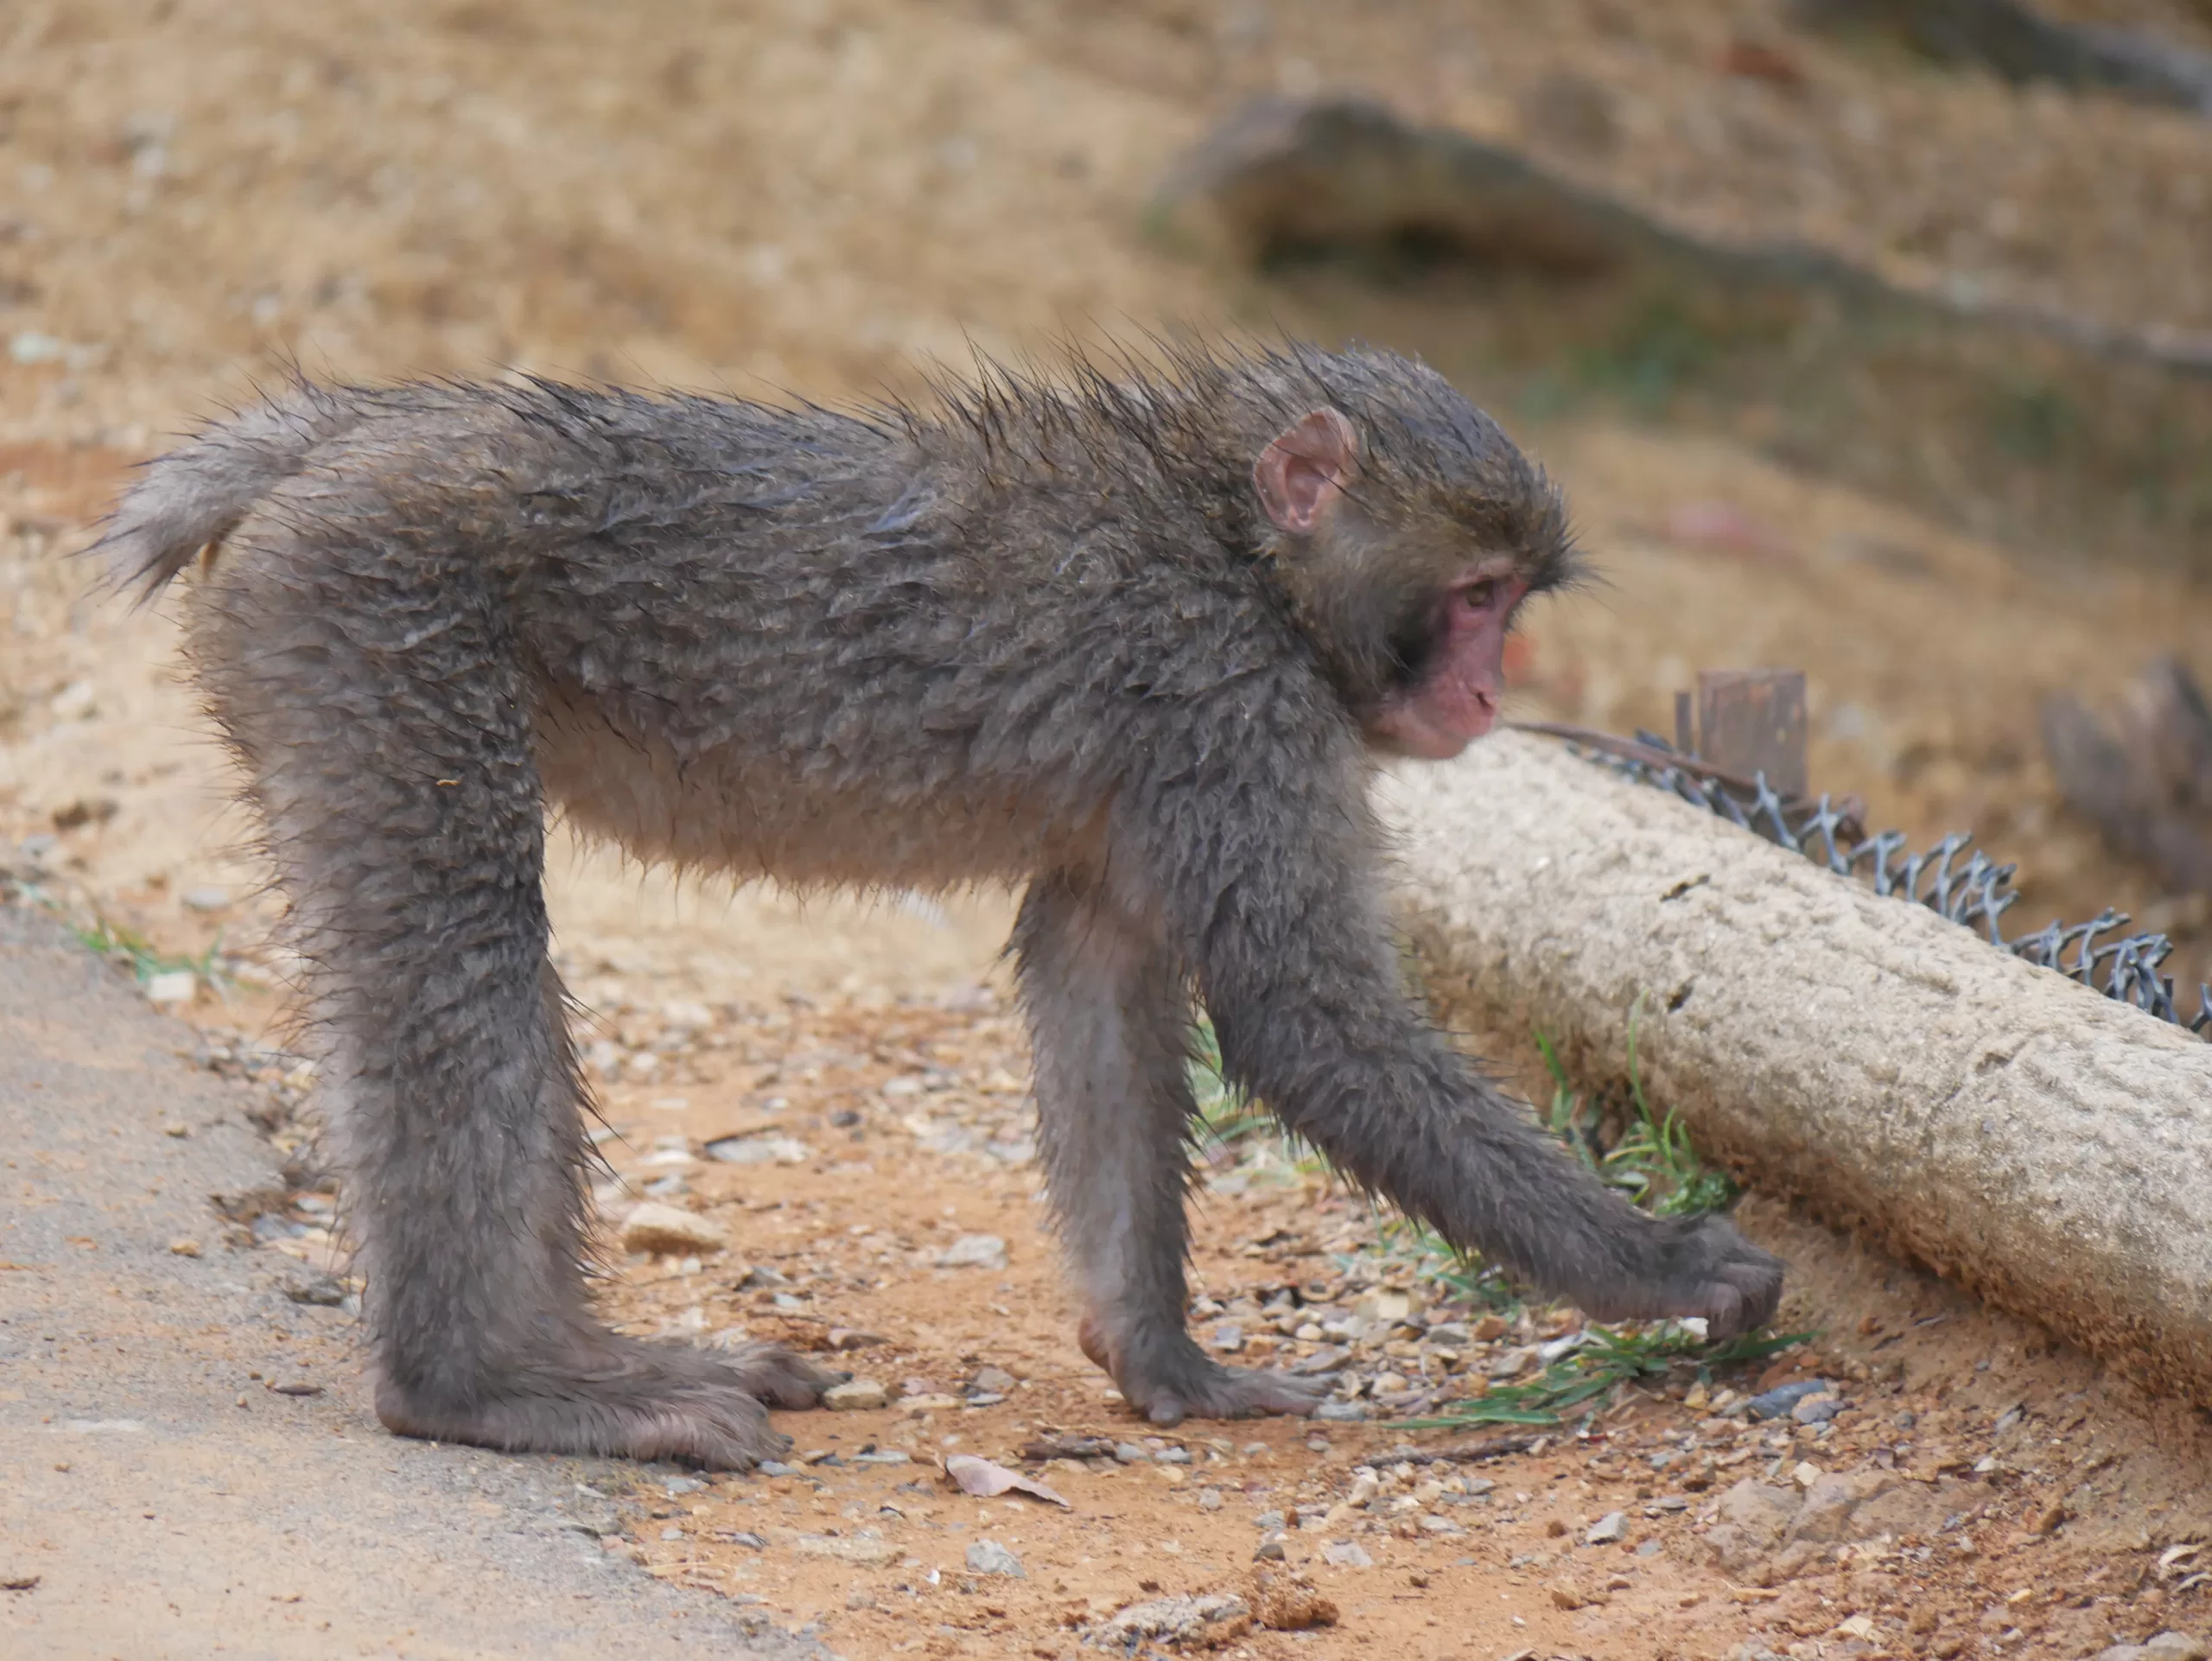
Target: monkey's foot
(1167, 1379)
(619, 1396)
(1702, 1268)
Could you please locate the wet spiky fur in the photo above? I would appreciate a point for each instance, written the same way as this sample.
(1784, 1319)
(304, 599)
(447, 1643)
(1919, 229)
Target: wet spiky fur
(1039, 630)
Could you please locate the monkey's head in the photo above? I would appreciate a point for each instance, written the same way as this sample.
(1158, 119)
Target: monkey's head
(1409, 531)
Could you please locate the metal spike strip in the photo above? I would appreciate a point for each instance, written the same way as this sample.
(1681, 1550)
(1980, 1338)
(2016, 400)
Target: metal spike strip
(1954, 879)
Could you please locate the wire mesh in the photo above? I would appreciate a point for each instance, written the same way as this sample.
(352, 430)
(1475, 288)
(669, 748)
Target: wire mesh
(1954, 879)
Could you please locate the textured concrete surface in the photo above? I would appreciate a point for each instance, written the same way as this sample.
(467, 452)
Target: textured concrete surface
(2047, 1147)
(160, 1516)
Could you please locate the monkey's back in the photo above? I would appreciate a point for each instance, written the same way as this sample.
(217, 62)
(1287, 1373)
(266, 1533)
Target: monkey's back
(787, 642)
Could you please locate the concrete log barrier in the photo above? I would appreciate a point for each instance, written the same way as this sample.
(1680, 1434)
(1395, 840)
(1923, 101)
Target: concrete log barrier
(2046, 1147)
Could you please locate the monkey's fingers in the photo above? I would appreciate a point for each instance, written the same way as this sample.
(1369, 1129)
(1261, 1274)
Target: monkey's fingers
(1723, 1277)
(1679, 1268)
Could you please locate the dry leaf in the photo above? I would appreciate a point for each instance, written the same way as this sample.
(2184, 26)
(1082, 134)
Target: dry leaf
(986, 1480)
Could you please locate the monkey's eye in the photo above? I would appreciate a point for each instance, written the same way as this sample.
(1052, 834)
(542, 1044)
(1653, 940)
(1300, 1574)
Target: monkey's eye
(1481, 596)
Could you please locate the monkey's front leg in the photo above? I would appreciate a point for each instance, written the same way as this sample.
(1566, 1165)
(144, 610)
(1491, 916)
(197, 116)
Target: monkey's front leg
(1111, 1021)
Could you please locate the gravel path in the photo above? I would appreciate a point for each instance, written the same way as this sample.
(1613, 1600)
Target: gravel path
(169, 1500)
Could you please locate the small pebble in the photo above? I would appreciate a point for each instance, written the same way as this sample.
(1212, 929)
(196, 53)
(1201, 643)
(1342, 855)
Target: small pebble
(1129, 1453)
(1270, 1551)
(1209, 1499)
(667, 1231)
(172, 988)
(857, 1395)
(1776, 1403)
(974, 1252)
(758, 1150)
(1815, 1410)
(1608, 1529)
(1346, 1554)
(989, 1557)
(992, 1381)
(687, 1017)
(184, 1248)
(1198, 1622)
(776, 1468)
(1341, 1412)
(2166, 1646)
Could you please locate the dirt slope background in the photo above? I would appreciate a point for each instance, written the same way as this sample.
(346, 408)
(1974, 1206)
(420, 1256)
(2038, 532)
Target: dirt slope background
(820, 196)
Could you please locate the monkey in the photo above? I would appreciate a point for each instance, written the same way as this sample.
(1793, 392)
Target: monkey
(1136, 634)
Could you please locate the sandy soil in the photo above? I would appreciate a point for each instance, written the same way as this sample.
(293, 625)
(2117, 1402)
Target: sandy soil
(818, 195)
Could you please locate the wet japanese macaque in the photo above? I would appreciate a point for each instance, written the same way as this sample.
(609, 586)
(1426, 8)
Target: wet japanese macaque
(1137, 643)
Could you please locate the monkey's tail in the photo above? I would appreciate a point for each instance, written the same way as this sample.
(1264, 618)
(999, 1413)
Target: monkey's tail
(188, 500)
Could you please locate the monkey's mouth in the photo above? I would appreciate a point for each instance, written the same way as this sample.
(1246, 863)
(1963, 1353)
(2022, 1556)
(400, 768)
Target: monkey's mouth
(1435, 723)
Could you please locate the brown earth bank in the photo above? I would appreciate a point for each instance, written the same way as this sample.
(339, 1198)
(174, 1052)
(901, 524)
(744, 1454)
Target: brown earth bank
(818, 196)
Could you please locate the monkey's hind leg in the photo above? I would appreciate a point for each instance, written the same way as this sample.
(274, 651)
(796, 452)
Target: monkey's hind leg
(373, 695)
(1110, 1021)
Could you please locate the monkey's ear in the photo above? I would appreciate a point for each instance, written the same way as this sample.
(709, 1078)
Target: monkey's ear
(1306, 467)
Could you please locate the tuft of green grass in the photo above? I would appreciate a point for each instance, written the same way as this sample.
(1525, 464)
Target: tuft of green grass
(1461, 1277)
(127, 948)
(1652, 1160)
(1609, 1357)
(1226, 1115)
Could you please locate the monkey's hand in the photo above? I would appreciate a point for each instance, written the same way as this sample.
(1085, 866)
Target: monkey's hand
(605, 1395)
(1168, 1379)
(1693, 1266)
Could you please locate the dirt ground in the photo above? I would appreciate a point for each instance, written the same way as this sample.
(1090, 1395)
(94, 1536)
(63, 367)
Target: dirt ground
(818, 196)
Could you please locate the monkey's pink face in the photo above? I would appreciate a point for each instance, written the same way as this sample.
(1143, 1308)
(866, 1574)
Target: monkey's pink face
(1459, 671)
(1455, 700)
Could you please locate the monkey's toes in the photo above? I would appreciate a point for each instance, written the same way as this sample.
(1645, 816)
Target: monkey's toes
(639, 1414)
(779, 1377)
(1228, 1393)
